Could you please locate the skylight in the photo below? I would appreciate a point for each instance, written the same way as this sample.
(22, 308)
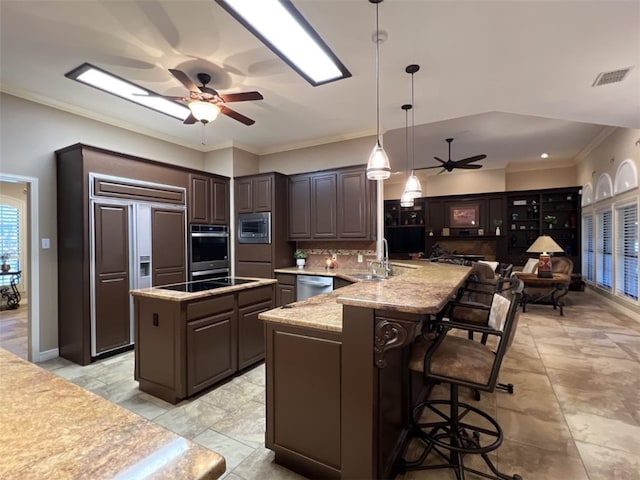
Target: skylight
(285, 31)
(107, 82)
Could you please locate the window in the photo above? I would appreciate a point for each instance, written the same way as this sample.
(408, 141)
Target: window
(588, 255)
(604, 254)
(10, 238)
(627, 251)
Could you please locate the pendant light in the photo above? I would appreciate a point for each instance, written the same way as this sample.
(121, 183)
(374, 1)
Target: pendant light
(413, 188)
(378, 167)
(406, 200)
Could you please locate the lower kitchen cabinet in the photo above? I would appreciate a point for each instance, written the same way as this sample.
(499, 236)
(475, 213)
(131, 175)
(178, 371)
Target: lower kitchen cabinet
(184, 346)
(286, 290)
(304, 399)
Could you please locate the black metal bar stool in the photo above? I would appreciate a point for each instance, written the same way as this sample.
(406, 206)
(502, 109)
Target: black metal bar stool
(453, 429)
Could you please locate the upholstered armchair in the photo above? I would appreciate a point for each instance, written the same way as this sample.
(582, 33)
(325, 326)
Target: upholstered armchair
(550, 290)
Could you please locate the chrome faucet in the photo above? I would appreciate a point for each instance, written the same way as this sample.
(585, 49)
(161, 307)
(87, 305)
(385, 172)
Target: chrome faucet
(386, 265)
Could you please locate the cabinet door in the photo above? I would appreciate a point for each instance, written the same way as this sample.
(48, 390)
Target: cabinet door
(168, 253)
(220, 201)
(353, 214)
(199, 199)
(112, 311)
(285, 294)
(244, 203)
(211, 351)
(299, 207)
(323, 206)
(261, 193)
(251, 334)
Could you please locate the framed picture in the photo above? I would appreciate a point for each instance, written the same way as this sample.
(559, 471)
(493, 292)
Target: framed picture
(464, 216)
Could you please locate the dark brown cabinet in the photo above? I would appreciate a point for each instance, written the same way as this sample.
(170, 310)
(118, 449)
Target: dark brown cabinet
(168, 246)
(300, 207)
(112, 325)
(253, 194)
(286, 290)
(263, 193)
(324, 209)
(208, 200)
(250, 329)
(332, 205)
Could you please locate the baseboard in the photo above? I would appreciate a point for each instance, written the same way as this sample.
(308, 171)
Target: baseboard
(48, 355)
(614, 302)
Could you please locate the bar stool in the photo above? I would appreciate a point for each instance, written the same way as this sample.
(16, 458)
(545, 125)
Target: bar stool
(457, 429)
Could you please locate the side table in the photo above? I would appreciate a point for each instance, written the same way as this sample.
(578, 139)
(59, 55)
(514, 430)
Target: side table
(11, 292)
(537, 289)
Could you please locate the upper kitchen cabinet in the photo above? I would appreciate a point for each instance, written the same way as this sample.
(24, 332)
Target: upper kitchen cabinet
(332, 205)
(254, 194)
(208, 199)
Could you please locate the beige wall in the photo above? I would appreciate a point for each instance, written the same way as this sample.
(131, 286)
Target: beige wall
(29, 135)
(219, 162)
(320, 157)
(541, 178)
(245, 163)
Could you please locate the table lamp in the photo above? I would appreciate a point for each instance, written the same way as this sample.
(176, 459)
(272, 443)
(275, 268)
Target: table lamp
(544, 245)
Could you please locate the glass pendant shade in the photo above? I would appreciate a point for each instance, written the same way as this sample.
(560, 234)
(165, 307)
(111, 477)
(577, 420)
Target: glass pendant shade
(204, 112)
(406, 201)
(378, 167)
(413, 187)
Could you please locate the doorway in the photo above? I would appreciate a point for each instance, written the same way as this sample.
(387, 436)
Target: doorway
(19, 327)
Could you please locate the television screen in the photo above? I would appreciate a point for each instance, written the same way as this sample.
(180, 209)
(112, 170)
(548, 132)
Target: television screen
(406, 239)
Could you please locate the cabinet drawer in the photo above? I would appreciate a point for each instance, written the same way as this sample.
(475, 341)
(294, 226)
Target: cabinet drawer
(210, 306)
(286, 278)
(255, 295)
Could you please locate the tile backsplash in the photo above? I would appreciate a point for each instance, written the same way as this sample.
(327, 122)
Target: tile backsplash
(346, 254)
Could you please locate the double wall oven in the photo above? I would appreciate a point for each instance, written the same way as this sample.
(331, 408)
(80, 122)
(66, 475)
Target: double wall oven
(208, 251)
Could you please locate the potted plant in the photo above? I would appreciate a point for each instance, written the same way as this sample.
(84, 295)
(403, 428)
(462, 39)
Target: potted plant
(300, 256)
(551, 220)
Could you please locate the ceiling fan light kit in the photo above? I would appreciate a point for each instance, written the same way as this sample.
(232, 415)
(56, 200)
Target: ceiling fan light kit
(378, 167)
(413, 188)
(204, 112)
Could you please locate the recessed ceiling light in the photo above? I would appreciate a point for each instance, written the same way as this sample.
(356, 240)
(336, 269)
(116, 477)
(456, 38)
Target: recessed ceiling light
(544, 155)
(107, 82)
(285, 31)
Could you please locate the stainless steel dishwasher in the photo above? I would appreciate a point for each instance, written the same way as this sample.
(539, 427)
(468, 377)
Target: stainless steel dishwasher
(311, 285)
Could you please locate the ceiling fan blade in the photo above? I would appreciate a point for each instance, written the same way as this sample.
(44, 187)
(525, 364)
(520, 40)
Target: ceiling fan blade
(440, 160)
(475, 158)
(427, 168)
(468, 167)
(205, 89)
(184, 80)
(236, 116)
(241, 97)
(190, 119)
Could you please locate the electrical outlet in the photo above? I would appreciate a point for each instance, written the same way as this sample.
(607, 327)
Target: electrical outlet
(360, 258)
(334, 256)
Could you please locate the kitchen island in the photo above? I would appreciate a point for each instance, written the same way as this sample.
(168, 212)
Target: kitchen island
(51, 428)
(338, 388)
(190, 336)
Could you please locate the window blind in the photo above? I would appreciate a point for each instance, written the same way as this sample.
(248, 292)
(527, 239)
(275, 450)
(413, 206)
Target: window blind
(10, 238)
(588, 254)
(604, 252)
(627, 251)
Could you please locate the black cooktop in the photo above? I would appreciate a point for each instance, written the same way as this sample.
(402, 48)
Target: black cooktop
(211, 284)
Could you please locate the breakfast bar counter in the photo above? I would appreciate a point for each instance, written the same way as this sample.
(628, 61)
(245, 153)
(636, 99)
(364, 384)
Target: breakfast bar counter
(338, 386)
(51, 428)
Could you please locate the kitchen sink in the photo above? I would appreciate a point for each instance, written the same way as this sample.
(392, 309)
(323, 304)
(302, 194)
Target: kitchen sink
(368, 276)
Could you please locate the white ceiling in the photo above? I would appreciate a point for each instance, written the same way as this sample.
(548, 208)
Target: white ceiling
(507, 78)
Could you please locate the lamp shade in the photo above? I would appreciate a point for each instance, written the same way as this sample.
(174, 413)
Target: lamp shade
(205, 112)
(544, 244)
(413, 187)
(406, 200)
(378, 167)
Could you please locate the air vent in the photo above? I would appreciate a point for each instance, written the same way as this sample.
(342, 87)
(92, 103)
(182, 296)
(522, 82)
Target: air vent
(613, 76)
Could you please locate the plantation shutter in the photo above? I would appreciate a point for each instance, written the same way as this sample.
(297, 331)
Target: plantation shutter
(604, 254)
(627, 251)
(588, 254)
(10, 238)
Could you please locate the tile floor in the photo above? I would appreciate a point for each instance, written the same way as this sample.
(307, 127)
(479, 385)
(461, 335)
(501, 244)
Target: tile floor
(575, 414)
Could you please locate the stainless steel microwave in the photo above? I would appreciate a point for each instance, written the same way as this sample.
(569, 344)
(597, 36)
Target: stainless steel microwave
(254, 227)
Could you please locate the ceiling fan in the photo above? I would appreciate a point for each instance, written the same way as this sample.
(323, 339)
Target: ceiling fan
(449, 165)
(204, 96)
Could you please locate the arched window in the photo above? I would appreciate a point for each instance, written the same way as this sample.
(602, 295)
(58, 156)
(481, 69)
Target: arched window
(603, 187)
(626, 177)
(587, 195)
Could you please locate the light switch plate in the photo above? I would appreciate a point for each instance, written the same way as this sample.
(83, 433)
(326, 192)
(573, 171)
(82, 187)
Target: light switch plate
(359, 258)
(46, 243)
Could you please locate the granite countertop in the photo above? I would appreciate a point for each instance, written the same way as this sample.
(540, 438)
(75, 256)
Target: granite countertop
(51, 428)
(421, 287)
(177, 296)
(345, 273)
